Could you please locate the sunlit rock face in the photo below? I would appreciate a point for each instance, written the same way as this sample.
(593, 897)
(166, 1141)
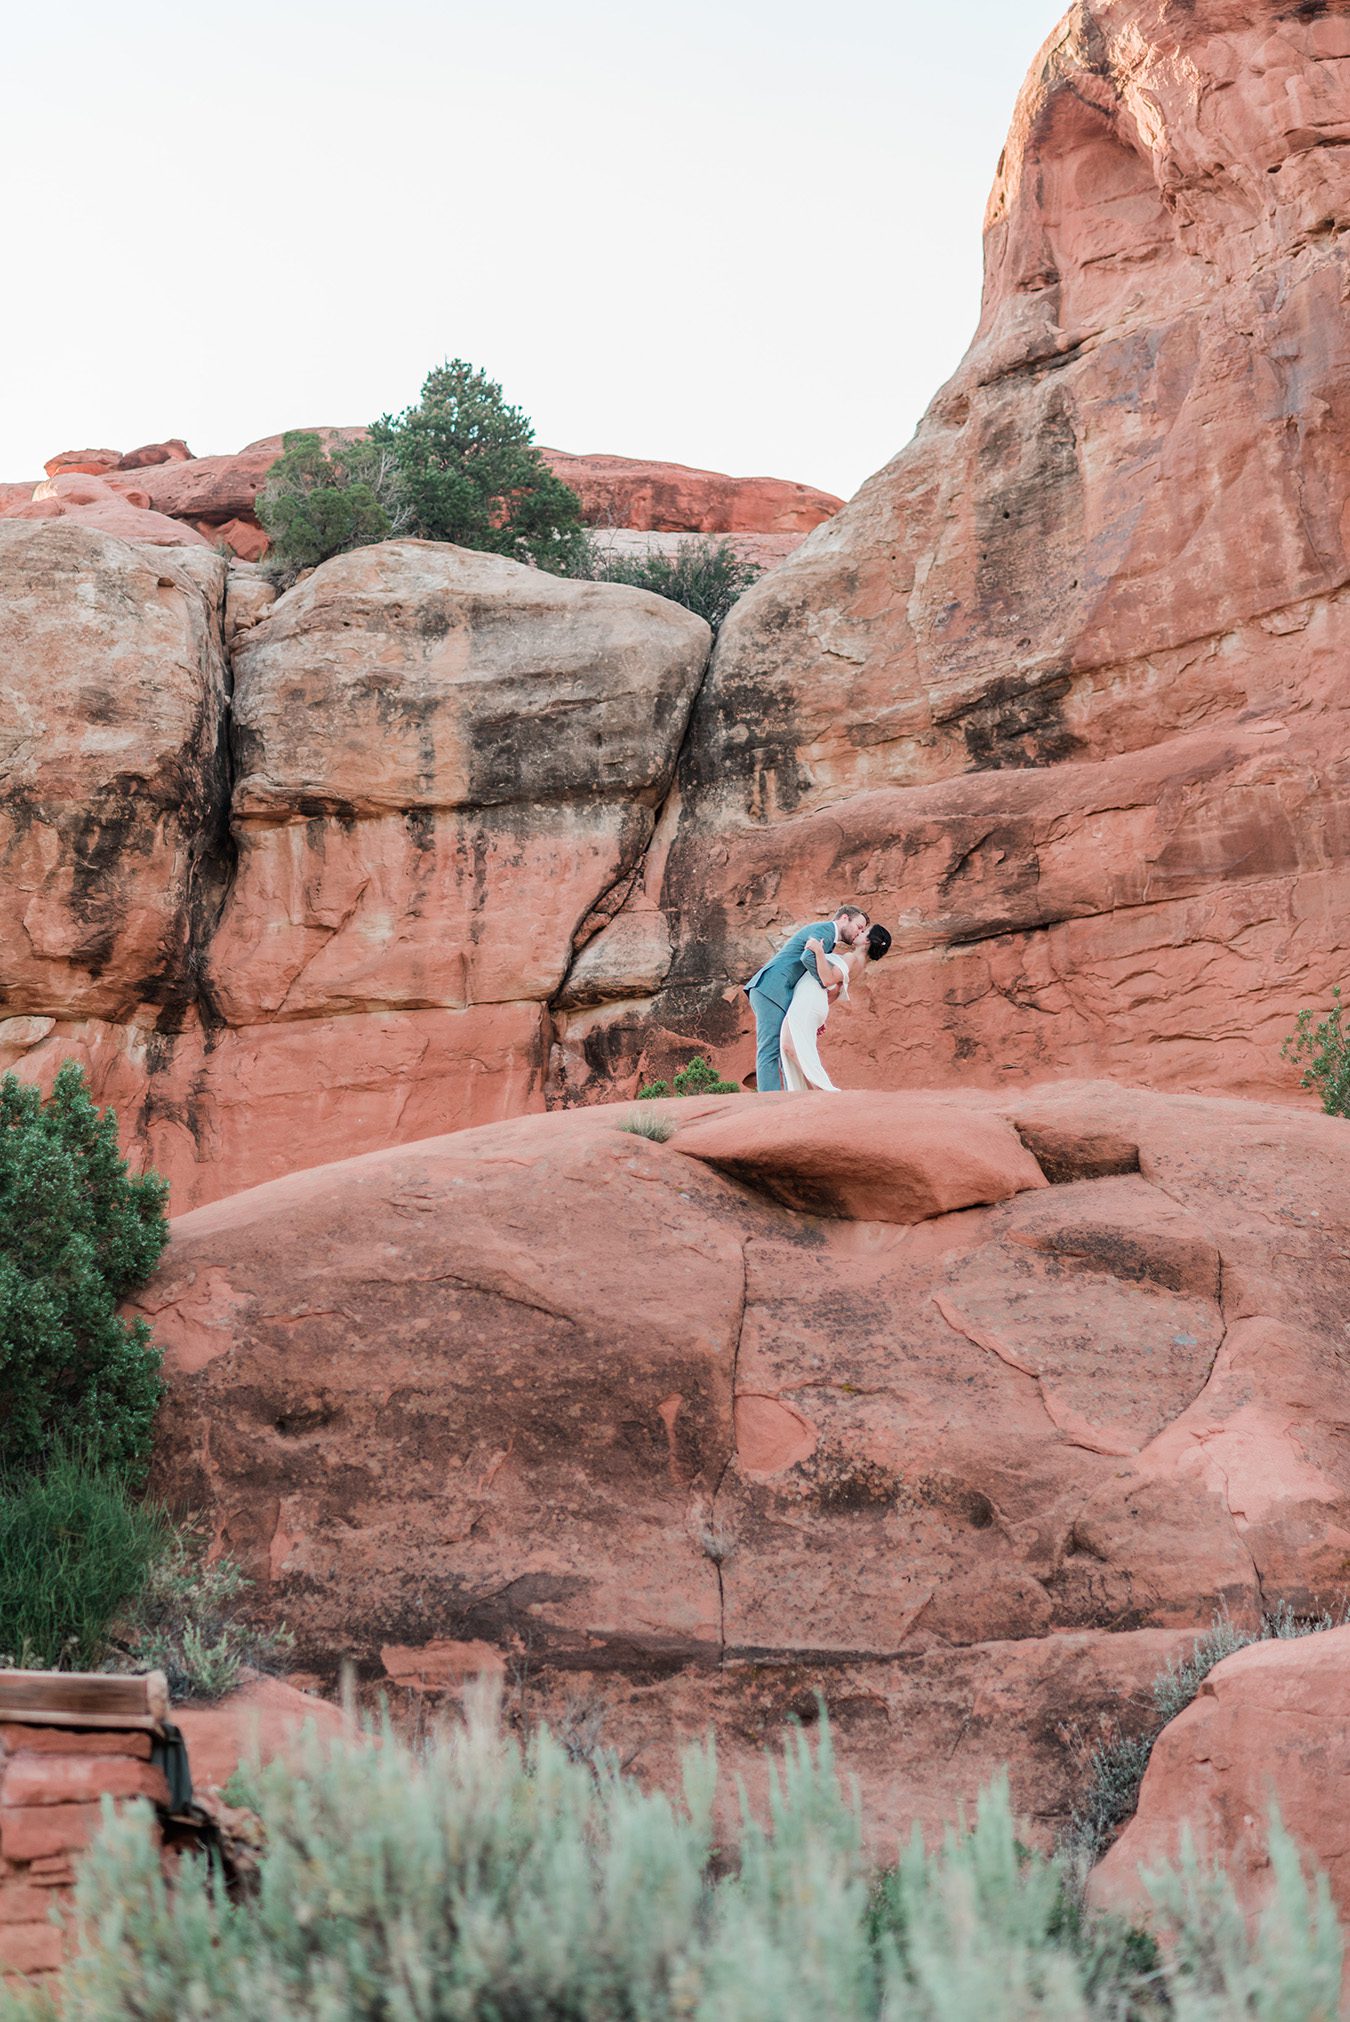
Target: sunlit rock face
(1060, 693)
(314, 896)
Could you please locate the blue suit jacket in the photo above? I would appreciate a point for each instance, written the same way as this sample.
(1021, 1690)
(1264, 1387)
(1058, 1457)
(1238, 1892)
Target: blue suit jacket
(779, 978)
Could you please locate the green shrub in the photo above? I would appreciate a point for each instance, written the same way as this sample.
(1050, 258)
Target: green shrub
(75, 1548)
(705, 576)
(77, 1233)
(1325, 1046)
(477, 1879)
(463, 468)
(186, 1622)
(695, 1079)
(317, 503)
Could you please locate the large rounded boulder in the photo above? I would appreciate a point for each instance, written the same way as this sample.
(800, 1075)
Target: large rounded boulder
(969, 1448)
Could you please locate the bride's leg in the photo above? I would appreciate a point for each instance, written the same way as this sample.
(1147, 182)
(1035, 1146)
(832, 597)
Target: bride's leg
(793, 1079)
(810, 1069)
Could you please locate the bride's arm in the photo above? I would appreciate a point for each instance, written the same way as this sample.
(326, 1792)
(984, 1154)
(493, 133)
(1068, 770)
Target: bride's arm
(816, 950)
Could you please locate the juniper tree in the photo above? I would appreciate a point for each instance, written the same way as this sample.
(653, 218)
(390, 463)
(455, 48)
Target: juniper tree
(77, 1233)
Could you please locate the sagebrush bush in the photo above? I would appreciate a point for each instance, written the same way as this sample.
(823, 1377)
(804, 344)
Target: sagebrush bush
(477, 1879)
(77, 1233)
(1324, 1046)
(75, 1549)
(695, 1079)
(705, 576)
(1116, 1764)
(187, 1621)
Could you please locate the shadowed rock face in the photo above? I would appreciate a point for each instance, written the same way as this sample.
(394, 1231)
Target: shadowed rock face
(318, 895)
(112, 774)
(606, 1415)
(1059, 693)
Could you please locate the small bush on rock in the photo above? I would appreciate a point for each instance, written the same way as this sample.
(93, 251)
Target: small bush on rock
(77, 1233)
(1325, 1048)
(75, 1548)
(695, 1079)
(658, 1128)
(186, 1621)
(480, 1879)
(316, 503)
(706, 577)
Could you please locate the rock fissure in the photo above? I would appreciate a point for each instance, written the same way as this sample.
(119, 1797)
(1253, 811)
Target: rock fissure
(716, 1546)
(629, 879)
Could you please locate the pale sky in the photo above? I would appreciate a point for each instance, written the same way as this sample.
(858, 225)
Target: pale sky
(743, 234)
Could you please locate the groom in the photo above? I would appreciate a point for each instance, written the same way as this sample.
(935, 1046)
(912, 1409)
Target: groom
(770, 988)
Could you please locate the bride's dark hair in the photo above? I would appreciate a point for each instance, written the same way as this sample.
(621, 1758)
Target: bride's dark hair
(878, 941)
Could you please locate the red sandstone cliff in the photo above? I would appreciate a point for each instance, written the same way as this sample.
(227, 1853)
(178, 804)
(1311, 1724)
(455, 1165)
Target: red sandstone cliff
(1058, 695)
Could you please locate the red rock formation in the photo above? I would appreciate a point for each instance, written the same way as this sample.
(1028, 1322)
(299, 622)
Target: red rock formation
(447, 767)
(106, 508)
(264, 1719)
(173, 451)
(610, 1408)
(1059, 692)
(72, 461)
(216, 494)
(114, 690)
(1058, 695)
(1269, 1726)
(623, 491)
(211, 488)
(244, 537)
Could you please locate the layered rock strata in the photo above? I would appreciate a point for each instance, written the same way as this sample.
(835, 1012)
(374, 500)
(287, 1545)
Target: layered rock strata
(964, 1415)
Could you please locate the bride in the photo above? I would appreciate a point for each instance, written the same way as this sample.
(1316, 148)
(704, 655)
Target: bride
(810, 1008)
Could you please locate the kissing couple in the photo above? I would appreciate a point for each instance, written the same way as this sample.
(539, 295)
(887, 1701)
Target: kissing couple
(792, 994)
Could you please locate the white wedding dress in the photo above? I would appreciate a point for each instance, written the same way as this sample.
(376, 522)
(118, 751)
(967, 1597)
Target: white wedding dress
(805, 1020)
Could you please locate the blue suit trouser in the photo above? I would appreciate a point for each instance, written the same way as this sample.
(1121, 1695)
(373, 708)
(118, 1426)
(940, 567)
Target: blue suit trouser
(768, 1029)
